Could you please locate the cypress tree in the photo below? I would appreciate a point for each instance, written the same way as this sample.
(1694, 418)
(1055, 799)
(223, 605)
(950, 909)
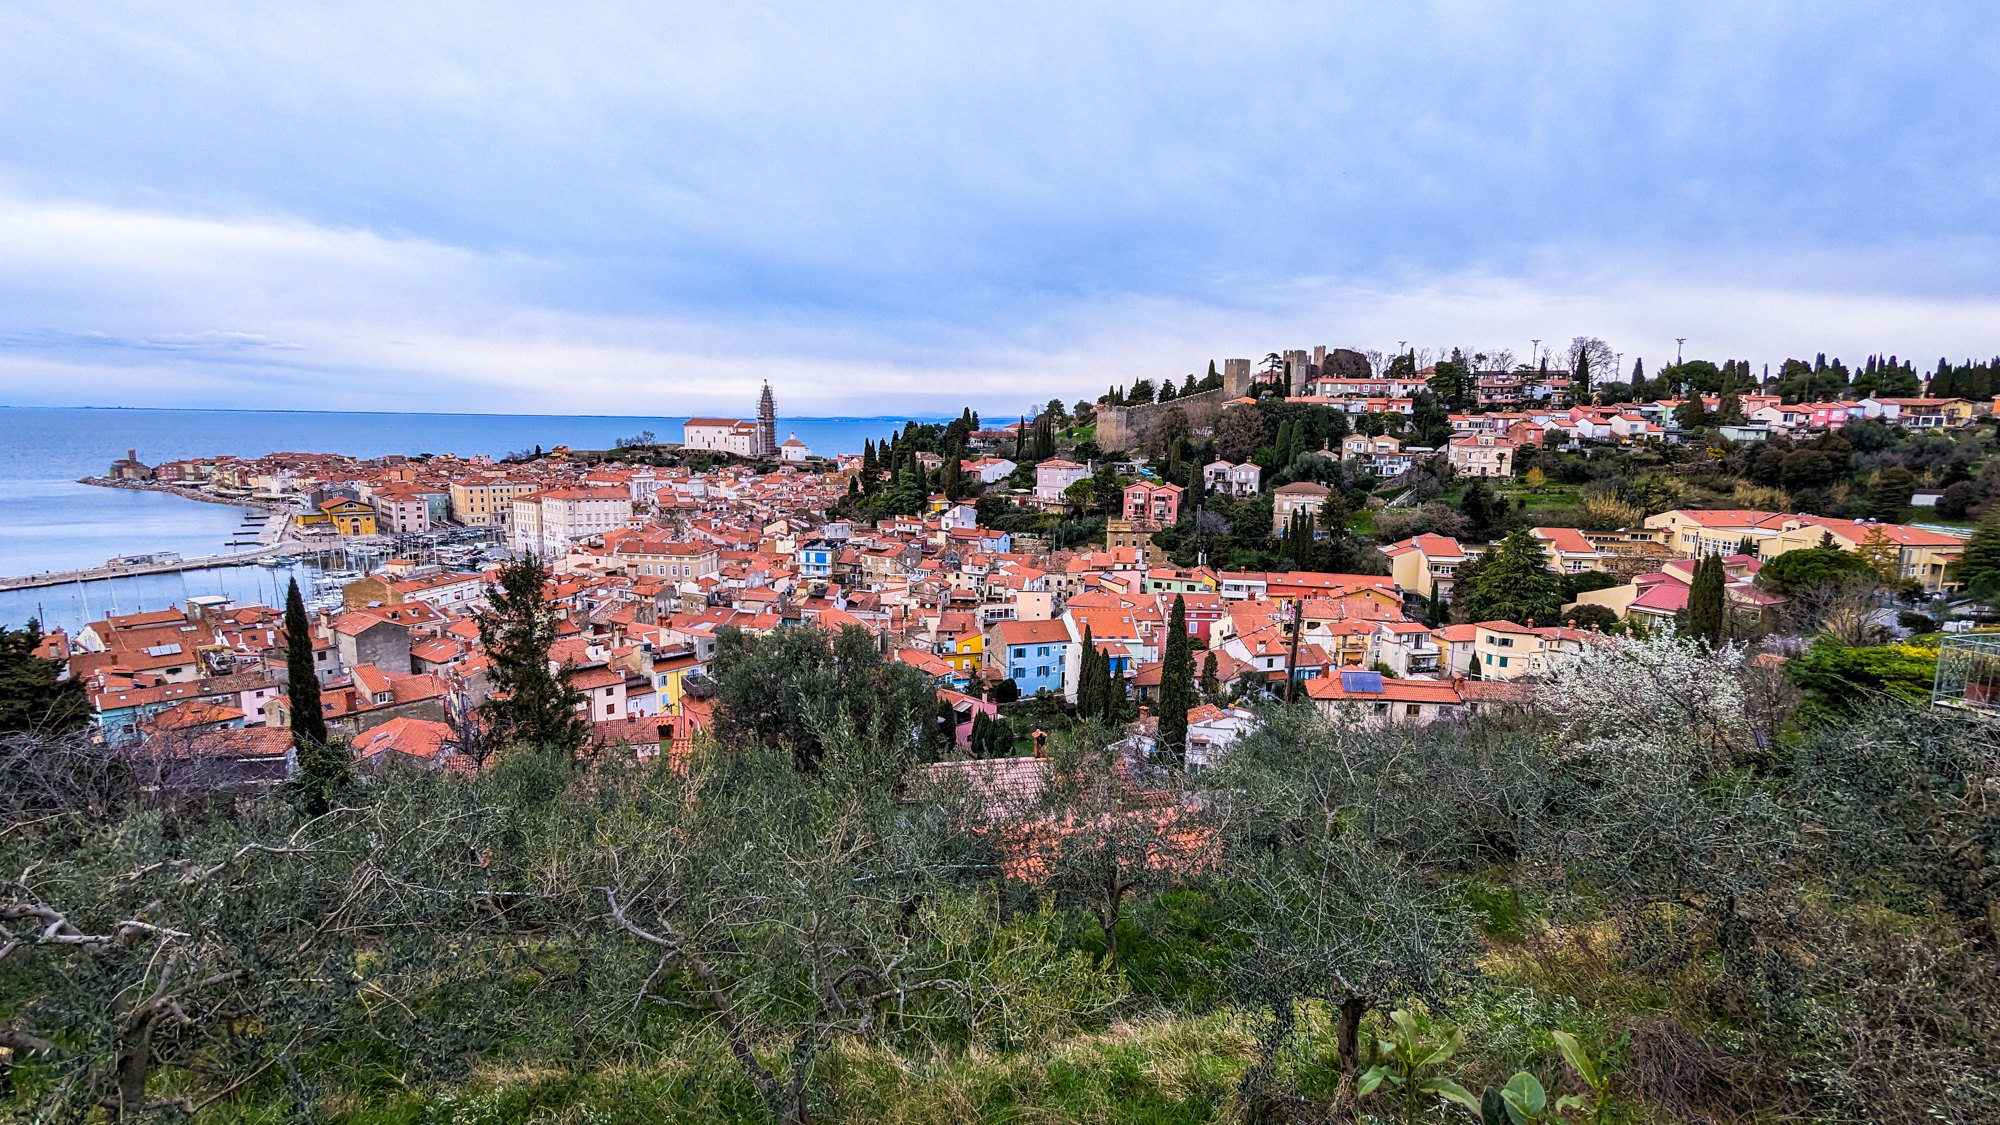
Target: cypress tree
(1210, 684)
(302, 681)
(323, 767)
(1114, 689)
(953, 487)
(1176, 687)
(1088, 700)
(980, 736)
(1019, 434)
(1707, 619)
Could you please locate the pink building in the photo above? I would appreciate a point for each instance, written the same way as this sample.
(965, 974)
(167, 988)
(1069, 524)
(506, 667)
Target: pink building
(1153, 503)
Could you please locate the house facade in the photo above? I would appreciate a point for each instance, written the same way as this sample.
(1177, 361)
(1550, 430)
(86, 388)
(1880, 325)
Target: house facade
(1030, 653)
(1482, 455)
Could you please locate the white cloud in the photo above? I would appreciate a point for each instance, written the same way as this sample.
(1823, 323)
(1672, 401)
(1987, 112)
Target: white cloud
(115, 307)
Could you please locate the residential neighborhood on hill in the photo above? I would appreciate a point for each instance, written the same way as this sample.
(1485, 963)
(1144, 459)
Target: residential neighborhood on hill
(1328, 513)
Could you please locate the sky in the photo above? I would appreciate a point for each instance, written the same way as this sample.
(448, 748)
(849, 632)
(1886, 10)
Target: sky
(895, 208)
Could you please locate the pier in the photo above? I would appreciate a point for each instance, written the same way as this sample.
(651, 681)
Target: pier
(202, 562)
(272, 538)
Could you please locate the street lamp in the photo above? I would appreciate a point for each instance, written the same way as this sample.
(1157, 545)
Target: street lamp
(1535, 353)
(1678, 341)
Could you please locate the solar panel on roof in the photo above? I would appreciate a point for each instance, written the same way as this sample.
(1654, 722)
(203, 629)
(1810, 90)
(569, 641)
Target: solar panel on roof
(1365, 682)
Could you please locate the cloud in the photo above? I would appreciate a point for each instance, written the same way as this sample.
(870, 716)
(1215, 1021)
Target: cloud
(907, 205)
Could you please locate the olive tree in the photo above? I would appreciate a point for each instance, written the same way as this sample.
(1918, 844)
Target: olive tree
(779, 907)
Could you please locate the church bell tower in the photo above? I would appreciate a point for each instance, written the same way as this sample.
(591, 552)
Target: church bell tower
(767, 424)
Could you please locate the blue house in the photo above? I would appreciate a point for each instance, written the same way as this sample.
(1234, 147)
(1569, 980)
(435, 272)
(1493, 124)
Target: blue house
(1030, 653)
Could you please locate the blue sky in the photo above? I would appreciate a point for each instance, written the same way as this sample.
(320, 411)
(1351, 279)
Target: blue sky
(650, 208)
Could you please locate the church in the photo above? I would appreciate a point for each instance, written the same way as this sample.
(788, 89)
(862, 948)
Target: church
(757, 439)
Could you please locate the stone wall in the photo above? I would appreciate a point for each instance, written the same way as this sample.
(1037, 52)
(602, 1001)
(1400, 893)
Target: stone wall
(1122, 427)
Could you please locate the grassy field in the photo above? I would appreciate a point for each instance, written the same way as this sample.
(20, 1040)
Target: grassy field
(1550, 498)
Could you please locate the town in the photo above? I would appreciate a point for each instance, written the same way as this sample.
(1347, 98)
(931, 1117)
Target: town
(1360, 543)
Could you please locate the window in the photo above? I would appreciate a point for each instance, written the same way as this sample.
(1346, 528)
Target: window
(1503, 662)
(1044, 651)
(607, 708)
(1413, 709)
(1489, 658)
(1381, 708)
(1041, 671)
(1020, 673)
(1021, 653)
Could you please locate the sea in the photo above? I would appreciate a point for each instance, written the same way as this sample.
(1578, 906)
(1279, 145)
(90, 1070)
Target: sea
(48, 522)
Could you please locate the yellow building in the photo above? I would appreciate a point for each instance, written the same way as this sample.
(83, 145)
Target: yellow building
(1932, 413)
(1504, 650)
(486, 503)
(1425, 564)
(966, 654)
(670, 672)
(348, 517)
(1920, 556)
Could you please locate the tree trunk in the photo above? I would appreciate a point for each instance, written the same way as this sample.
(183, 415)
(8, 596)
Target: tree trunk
(1107, 919)
(135, 1063)
(1347, 1096)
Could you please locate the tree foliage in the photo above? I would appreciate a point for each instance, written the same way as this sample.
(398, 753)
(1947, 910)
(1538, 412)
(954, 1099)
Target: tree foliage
(791, 689)
(1512, 582)
(32, 697)
(1176, 686)
(532, 705)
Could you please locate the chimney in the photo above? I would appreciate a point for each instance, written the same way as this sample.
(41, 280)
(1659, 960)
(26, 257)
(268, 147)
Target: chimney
(131, 455)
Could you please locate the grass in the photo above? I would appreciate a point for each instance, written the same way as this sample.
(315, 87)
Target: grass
(1164, 1070)
(1548, 498)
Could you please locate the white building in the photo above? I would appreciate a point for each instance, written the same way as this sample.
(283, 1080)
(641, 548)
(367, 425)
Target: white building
(1053, 478)
(723, 435)
(548, 522)
(793, 450)
(1482, 455)
(1233, 480)
(400, 510)
(988, 469)
(661, 557)
(1213, 730)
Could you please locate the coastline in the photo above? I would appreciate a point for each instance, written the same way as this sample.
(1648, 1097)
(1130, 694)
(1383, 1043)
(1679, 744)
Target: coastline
(186, 492)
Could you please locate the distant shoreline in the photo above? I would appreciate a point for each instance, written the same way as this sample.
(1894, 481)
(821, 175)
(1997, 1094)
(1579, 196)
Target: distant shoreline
(839, 418)
(185, 492)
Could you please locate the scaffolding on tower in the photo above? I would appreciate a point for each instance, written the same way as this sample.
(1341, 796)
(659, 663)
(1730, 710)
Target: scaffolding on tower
(767, 425)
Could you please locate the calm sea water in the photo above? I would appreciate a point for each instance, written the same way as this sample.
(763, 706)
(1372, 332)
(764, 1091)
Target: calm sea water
(49, 522)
